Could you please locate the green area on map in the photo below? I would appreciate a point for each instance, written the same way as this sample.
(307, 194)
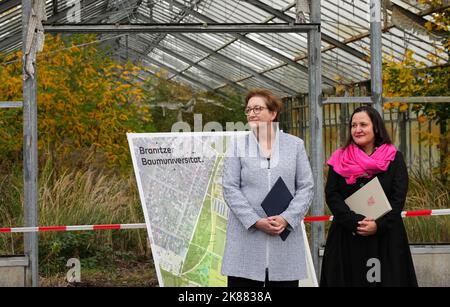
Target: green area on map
(204, 257)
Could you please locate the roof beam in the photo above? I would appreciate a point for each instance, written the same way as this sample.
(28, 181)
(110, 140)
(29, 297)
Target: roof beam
(259, 46)
(263, 72)
(63, 13)
(198, 66)
(183, 28)
(140, 56)
(103, 15)
(52, 19)
(84, 4)
(177, 19)
(7, 5)
(234, 63)
(177, 28)
(325, 37)
(229, 61)
(109, 10)
(148, 72)
(155, 45)
(10, 40)
(418, 19)
(174, 71)
(445, 5)
(55, 7)
(214, 28)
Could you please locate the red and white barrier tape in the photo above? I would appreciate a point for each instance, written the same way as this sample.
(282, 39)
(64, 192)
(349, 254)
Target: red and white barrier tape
(326, 218)
(73, 228)
(323, 218)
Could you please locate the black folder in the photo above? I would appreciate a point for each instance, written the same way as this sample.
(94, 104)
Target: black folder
(277, 201)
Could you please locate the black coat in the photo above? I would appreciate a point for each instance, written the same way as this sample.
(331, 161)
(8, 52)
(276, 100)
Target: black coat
(345, 261)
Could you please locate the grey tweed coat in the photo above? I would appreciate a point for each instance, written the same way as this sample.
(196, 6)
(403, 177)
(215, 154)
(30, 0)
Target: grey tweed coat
(246, 181)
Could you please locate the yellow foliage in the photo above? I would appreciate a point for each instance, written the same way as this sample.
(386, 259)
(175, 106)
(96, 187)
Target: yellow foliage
(82, 100)
(403, 107)
(340, 89)
(422, 119)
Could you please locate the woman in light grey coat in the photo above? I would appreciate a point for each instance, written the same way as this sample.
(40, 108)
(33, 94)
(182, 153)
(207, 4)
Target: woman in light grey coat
(254, 252)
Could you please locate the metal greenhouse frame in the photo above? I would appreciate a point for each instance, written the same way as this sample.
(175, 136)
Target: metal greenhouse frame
(182, 37)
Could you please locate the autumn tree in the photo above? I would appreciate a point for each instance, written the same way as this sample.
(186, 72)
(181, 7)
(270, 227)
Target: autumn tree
(409, 78)
(85, 100)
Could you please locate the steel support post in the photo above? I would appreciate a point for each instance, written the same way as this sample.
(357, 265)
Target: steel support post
(375, 55)
(316, 131)
(30, 153)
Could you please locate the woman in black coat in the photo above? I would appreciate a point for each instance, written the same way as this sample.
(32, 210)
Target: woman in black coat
(361, 251)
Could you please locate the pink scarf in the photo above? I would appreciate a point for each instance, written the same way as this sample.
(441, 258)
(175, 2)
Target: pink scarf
(352, 162)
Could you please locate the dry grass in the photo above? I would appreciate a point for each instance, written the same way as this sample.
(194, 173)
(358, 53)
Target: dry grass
(86, 197)
(77, 197)
(427, 193)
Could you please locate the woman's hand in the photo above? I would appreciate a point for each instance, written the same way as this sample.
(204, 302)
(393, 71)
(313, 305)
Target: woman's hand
(265, 225)
(278, 222)
(273, 225)
(367, 227)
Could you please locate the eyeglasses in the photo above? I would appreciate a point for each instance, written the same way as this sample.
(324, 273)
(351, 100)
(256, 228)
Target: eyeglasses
(256, 110)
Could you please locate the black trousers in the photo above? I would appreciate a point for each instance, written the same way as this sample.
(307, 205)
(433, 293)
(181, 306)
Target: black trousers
(244, 282)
